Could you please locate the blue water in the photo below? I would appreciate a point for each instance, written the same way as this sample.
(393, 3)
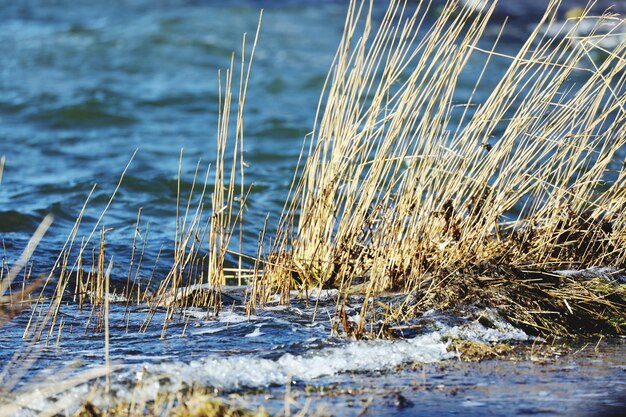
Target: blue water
(84, 84)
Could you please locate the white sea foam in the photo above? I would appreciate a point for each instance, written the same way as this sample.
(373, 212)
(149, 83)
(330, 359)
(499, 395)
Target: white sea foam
(234, 372)
(256, 333)
(500, 332)
(608, 273)
(362, 356)
(313, 294)
(323, 294)
(247, 371)
(225, 316)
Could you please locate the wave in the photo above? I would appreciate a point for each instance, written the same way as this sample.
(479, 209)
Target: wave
(89, 113)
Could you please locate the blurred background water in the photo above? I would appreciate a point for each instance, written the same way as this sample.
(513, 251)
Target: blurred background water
(84, 84)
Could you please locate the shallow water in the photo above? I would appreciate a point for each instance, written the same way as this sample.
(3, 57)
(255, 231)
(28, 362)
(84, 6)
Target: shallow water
(587, 383)
(84, 84)
(251, 361)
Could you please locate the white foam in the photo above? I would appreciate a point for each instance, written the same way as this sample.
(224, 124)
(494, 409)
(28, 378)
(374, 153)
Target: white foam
(357, 356)
(247, 371)
(500, 332)
(362, 356)
(256, 333)
(225, 316)
(323, 294)
(478, 332)
(608, 273)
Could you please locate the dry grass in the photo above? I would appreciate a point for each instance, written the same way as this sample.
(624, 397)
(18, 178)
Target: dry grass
(81, 273)
(2, 162)
(195, 403)
(12, 304)
(397, 187)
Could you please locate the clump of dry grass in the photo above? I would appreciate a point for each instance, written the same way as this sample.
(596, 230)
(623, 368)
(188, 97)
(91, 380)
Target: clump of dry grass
(475, 351)
(399, 188)
(194, 403)
(201, 406)
(395, 193)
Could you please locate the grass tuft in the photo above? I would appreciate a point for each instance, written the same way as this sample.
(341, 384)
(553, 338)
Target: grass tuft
(402, 187)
